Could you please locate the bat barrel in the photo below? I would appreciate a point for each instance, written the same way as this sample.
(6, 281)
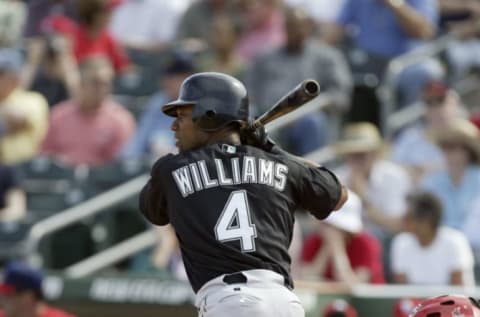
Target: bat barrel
(311, 87)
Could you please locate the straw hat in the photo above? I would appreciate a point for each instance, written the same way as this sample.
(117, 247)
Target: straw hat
(461, 131)
(348, 218)
(359, 137)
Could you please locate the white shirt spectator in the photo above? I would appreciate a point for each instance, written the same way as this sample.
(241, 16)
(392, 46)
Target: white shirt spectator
(141, 22)
(319, 10)
(433, 265)
(389, 185)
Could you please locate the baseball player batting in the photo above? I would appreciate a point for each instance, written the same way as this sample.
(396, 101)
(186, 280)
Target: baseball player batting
(230, 194)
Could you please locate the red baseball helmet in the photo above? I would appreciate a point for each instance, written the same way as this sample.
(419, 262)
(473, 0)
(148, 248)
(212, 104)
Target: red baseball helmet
(447, 305)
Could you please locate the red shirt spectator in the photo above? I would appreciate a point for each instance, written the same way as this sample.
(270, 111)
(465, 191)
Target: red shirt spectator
(93, 139)
(341, 236)
(363, 250)
(22, 293)
(92, 128)
(85, 44)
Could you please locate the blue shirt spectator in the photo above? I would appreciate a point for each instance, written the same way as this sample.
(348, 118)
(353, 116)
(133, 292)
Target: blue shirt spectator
(458, 184)
(153, 136)
(377, 27)
(456, 199)
(153, 130)
(414, 148)
(273, 74)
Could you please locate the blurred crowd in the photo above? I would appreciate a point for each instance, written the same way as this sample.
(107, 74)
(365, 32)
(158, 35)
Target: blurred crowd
(82, 83)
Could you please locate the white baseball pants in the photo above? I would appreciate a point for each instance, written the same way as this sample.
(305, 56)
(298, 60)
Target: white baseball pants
(263, 294)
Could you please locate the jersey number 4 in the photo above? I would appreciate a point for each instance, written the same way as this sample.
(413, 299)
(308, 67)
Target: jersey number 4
(235, 223)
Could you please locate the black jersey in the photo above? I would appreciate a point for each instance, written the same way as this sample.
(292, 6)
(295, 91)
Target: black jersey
(232, 206)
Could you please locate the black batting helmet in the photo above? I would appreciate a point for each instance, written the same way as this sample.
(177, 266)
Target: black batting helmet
(217, 99)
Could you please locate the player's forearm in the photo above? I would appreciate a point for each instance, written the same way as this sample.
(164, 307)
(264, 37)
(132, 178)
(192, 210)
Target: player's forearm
(412, 22)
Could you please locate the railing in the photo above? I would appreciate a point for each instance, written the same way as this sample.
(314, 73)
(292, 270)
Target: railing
(113, 254)
(385, 290)
(78, 213)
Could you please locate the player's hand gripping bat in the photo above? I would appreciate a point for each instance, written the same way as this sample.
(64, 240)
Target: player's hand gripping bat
(254, 132)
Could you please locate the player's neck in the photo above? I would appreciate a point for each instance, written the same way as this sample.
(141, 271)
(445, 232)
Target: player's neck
(225, 136)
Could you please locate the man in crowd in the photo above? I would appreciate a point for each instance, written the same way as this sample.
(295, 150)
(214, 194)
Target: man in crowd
(429, 253)
(21, 293)
(381, 185)
(342, 251)
(93, 128)
(153, 137)
(274, 73)
(23, 114)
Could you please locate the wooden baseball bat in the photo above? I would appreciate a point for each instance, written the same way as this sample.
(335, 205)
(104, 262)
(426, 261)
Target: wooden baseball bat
(297, 97)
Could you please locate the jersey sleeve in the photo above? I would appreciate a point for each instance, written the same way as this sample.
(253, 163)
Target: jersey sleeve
(318, 191)
(152, 201)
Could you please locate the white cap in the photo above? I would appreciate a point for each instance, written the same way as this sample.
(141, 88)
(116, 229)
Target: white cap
(349, 217)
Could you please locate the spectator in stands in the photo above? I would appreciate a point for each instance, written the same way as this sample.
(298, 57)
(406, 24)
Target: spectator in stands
(321, 11)
(442, 105)
(38, 10)
(222, 57)
(429, 253)
(458, 184)
(51, 79)
(271, 76)
(12, 19)
(155, 23)
(460, 18)
(153, 137)
(264, 31)
(339, 308)
(23, 114)
(12, 197)
(21, 293)
(39, 37)
(381, 185)
(342, 251)
(397, 27)
(195, 26)
(92, 128)
(91, 36)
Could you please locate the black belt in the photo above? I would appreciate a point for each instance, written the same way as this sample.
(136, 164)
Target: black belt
(240, 278)
(235, 278)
